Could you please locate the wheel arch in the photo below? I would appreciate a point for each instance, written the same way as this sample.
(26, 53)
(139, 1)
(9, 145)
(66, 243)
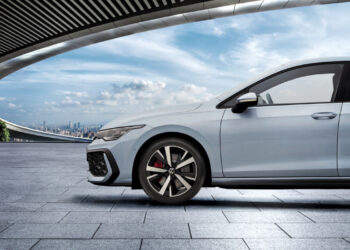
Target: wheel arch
(135, 180)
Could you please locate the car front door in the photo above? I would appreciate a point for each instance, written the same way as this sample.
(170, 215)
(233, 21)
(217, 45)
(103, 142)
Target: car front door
(292, 132)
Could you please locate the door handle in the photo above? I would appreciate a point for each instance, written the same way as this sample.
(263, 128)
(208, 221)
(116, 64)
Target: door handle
(324, 115)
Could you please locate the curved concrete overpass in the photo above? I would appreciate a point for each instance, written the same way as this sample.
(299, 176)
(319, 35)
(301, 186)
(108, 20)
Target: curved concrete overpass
(20, 132)
(33, 30)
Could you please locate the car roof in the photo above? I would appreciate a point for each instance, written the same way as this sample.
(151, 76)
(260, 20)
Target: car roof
(280, 68)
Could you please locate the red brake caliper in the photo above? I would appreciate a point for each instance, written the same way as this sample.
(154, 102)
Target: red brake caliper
(158, 164)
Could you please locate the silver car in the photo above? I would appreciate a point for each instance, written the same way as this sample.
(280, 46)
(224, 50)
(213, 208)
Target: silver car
(287, 128)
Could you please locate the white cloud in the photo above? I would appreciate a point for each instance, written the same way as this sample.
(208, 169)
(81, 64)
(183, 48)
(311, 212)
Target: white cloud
(2, 99)
(296, 36)
(77, 94)
(68, 101)
(12, 105)
(145, 94)
(154, 46)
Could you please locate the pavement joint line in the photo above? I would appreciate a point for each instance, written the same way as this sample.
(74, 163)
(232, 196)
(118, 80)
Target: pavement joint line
(8, 225)
(59, 221)
(306, 216)
(340, 197)
(212, 196)
(347, 241)
(278, 198)
(38, 209)
(298, 191)
(116, 202)
(96, 231)
(65, 191)
(144, 218)
(239, 191)
(246, 243)
(141, 244)
(189, 229)
(256, 206)
(36, 243)
(223, 212)
(284, 231)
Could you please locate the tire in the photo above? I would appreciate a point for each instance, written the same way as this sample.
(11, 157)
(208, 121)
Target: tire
(173, 183)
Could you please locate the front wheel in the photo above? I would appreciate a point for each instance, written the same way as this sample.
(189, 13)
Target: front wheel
(171, 171)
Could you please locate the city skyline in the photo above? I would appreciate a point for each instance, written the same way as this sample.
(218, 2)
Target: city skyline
(188, 63)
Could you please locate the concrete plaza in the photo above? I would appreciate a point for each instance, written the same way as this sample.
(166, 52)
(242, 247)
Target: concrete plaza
(47, 203)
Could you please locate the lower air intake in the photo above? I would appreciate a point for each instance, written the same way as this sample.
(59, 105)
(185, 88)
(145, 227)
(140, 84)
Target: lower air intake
(97, 164)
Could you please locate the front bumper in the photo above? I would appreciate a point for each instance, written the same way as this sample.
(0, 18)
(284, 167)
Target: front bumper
(103, 169)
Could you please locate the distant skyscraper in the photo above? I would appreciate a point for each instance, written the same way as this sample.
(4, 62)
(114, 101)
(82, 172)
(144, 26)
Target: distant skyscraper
(70, 126)
(78, 124)
(44, 126)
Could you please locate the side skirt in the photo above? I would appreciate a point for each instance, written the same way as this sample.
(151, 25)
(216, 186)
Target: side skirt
(283, 182)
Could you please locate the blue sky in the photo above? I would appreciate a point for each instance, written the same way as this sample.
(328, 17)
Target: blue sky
(182, 64)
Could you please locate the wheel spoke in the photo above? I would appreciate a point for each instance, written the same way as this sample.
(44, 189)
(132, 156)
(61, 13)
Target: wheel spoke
(168, 155)
(183, 181)
(152, 177)
(157, 170)
(159, 156)
(184, 163)
(165, 185)
(184, 155)
(170, 191)
(190, 178)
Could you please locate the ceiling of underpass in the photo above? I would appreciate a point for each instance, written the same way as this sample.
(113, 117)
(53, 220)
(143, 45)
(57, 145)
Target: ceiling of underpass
(30, 25)
(25, 23)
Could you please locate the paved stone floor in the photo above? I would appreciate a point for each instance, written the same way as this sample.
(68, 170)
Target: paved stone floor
(47, 203)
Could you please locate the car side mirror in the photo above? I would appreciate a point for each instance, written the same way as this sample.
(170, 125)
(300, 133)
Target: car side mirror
(244, 101)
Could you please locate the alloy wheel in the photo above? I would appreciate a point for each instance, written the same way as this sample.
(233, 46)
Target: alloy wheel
(171, 171)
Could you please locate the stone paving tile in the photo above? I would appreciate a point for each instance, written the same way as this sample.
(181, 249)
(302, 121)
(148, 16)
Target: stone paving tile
(266, 217)
(236, 230)
(3, 226)
(56, 182)
(212, 244)
(328, 216)
(297, 244)
(8, 197)
(88, 244)
(264, 192)
(296, 206)
(52, 198)
(220, 206)
(313, 199)
(20, 206)
(18, 244)
(50, 231)
(323, 191)
(203, 195)
(144, 206)
(138, 231)
(31, 217)
(105, 217)
(137, 200)
(185, 217)
(77, 207)
(316, 230)
(103, 198)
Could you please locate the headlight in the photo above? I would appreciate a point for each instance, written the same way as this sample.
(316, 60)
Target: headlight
(115, 133)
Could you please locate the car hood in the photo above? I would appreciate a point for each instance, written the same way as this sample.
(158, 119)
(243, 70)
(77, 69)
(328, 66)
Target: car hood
(137, 119)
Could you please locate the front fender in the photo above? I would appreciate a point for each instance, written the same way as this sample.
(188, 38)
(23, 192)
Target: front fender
(211, 147)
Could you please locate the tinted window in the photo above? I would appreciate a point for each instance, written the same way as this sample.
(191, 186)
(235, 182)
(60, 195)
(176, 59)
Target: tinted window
(309, 84)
